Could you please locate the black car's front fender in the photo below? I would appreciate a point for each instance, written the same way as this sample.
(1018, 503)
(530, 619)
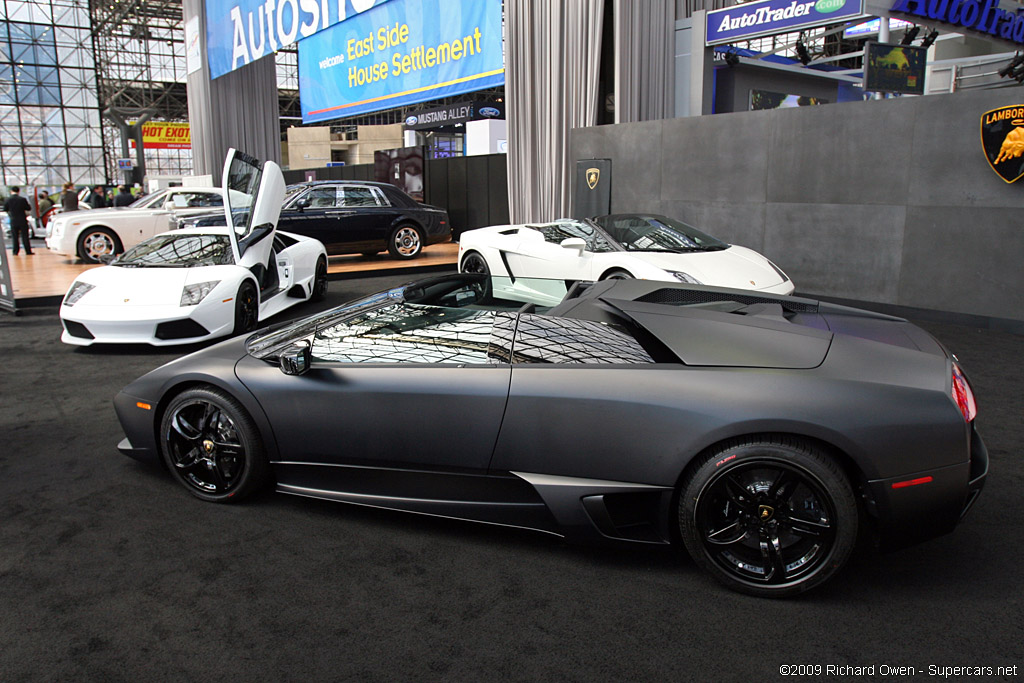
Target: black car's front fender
(140, 405)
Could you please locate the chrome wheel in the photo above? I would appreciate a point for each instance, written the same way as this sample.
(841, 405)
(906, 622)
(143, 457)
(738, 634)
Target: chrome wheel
(405, 242)
(767, 518)
(210, 445)
(96, 242)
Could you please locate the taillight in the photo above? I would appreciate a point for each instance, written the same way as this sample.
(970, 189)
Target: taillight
(963, 395)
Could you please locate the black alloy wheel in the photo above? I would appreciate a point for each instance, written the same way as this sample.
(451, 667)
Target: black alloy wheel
(617, 274)
(247, 309)
(211, 446)
(770, 518)
(96, 242)
(406, 242)
(473, 262)
(319, 292)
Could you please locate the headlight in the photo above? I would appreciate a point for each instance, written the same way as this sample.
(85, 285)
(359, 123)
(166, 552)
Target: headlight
(193, 294)
(685, 277)
(56, 228)
(785, 278)
(77, 291)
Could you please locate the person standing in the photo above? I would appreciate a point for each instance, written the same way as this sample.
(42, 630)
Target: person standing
(98, 200)
(123, 197)
(44, 205)
(69, 198)
(18, 208)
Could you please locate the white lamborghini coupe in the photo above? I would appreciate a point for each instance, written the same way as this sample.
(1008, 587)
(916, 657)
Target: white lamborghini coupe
(641, 246)
(191, 285)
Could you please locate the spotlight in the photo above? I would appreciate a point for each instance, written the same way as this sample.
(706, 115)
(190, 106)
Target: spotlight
(1017, 61)
(802, 54)
(929, 39)
(731, 58)
(910, 35)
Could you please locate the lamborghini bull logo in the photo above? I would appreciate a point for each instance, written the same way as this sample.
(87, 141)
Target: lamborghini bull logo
(593, 175)
(1002, 139)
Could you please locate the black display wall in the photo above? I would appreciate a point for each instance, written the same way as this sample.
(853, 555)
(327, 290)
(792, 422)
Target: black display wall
(473, 189)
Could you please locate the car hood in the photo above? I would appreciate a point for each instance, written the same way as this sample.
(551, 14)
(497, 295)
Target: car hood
(96, 214)
(121, 286)
(736, 266)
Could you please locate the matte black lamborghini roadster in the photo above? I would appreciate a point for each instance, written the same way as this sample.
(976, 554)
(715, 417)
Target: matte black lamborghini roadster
(761, 432)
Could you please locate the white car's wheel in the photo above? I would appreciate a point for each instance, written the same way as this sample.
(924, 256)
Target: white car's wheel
(319, 292)
(473, 262)
(96, 242)
(617, 274)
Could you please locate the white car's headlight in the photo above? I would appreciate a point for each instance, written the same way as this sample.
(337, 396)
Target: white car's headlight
(56, 228)
(685, 277)
(785, 278)
(193, 294)
(77, 291)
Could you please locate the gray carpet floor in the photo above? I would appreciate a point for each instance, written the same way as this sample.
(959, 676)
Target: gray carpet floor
(111, 572)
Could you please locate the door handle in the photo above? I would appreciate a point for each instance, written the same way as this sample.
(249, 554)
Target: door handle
(338, 213)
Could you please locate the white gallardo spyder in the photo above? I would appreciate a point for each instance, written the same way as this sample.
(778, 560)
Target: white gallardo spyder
(642, 246)
(190, 285)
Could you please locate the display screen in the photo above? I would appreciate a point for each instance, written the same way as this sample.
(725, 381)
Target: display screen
(894, 68)
(766, 99)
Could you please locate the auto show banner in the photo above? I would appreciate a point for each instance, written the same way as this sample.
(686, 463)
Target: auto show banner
(165, 135)
(753, 19)
(400, 53)
(242, 31)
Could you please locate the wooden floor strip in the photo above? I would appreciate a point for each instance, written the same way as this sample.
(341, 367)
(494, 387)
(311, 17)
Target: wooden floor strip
(47, 274)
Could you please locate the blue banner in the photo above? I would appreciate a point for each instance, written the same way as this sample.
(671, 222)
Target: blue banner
(242, 31)
(400, 53)
(754, 19)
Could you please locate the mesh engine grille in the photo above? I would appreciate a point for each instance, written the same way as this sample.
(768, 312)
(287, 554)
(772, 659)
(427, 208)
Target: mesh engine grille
(682, 297)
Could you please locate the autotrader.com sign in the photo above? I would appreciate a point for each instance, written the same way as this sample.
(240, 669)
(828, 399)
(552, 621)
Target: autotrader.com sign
(753, 19)
(976, 15)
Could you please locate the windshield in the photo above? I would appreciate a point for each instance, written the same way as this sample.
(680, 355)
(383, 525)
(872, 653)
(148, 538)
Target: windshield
(291, 192)
(178, 250)
(149, 200)
(657, 233)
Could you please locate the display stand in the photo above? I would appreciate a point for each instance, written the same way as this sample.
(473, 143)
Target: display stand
(6, 287)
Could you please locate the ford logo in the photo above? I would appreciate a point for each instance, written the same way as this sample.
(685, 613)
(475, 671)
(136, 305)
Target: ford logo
(489, 112)
(411, 120)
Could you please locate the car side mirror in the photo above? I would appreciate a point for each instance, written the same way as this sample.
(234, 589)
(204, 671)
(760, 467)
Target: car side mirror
(295, 360)
(575, 244)
(302, 204)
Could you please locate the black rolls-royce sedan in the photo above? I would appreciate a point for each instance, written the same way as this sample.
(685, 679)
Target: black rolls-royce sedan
(355, 217)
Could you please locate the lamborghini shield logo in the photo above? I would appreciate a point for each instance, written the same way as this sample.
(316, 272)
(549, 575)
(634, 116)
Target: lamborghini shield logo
(593, 175)
(1002, 138)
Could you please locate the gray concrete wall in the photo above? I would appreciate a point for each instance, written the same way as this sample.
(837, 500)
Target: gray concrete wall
(886, 201)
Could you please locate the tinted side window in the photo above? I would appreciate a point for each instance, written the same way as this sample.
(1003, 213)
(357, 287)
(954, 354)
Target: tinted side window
(358, 196)
(323, 197)
(542, 339)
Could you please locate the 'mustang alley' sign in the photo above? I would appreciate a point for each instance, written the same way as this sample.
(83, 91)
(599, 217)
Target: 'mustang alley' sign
(983, 16)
